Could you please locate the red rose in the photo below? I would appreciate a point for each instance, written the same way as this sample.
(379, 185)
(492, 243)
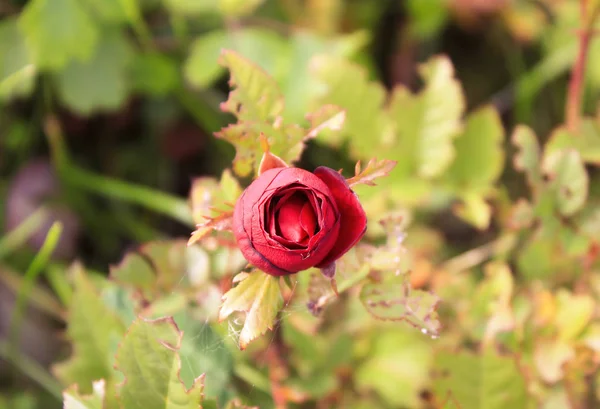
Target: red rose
(289, 220)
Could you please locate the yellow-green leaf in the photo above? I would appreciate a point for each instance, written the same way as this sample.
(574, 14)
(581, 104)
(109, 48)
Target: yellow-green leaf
(479, 152)
(394, 300)
(264, 47)
(586, 141)
(474, 210)
(94, 331)
(397, 366)
(135, 271)
(480, 381)
(427, 123)
(346, 85)
(569, 180)
(375, 169)
(72, 399)
(149, 359)
(238, 8)
(191, 7)
(527, 159)
(259, 296)
(255, 96)
(108, 69)
(16, 69)
(573, 315)
(58, 31)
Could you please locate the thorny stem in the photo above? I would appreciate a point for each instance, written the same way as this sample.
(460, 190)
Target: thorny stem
(575, 92)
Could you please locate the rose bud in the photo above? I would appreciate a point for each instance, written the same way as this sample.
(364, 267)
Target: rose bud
(289, 220)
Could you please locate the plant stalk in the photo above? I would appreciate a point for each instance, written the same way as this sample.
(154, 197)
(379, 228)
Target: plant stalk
(577, 81)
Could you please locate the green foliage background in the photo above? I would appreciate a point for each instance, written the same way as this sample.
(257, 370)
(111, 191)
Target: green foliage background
(477, 283)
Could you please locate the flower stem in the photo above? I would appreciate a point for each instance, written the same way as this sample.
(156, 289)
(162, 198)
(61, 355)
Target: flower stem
(576, 83)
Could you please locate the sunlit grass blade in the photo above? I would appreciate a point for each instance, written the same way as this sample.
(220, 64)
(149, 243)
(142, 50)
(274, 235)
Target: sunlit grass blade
(35, 268)
(20, 234)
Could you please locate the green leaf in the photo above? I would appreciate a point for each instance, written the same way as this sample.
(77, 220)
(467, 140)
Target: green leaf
(328, 120)
(299, 84)
(375, 169)
(427, 123)
(149, 359)
(394, 300)
(345, 84)
(541, 256)
(72, 399)
(474, 210)
(154, 73)
(204, 350)
(57, 32)
(134, 271)
(19, 400)
(19, 83)
(491, 302)
(245, 139)
(586, 141)
(427, 17)
(574, 313)
(528, 157)
(486, 381)
(94, 331)
(17, 73)
(191, 7)
(162, 267)
(569, 180)
(175, 264)
(100, 83)
(223, 222)
(451, 403)
(397, 366)
(285, 141)
(258, 295)
(265, 47)
(255, 95)
(238, 8)
(209, 197)
(113, 10)
(479, 152)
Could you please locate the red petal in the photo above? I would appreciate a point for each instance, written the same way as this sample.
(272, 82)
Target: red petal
(353, 220)
(308, 220)
(289, 218)
(250, 224)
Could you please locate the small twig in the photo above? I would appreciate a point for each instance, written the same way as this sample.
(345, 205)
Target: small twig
(576, 83)
(478, 255)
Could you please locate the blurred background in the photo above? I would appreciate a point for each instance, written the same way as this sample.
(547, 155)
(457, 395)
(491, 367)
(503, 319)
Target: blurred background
(108, 109)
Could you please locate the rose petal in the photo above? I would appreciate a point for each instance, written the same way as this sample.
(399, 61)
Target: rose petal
(353, 220)
(308, 220)
(252, 229)
(288, 218)
(274, 205)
